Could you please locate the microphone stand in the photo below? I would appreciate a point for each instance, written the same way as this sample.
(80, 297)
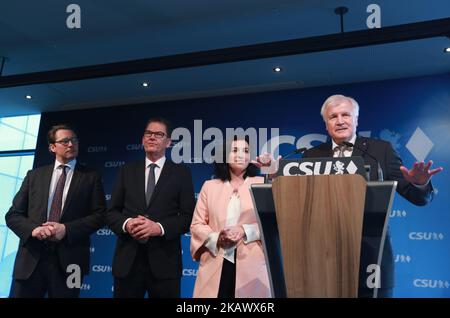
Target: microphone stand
(380, 172)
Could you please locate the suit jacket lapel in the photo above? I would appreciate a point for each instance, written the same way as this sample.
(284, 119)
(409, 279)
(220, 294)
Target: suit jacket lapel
(47, 179)
(327, 149)
(140, 177)
(164, 176)
(362, 144)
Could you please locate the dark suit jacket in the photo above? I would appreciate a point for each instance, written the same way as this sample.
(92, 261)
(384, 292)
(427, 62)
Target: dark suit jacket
(82, 215)
(172, 205)
(390, 163)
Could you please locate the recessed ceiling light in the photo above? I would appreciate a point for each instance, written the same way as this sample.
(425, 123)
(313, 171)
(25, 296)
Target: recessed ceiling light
(447, 50)
(28, 97)
(277, 69)
(145, 84)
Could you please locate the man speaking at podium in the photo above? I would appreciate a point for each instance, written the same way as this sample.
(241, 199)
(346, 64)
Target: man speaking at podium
(340, 114)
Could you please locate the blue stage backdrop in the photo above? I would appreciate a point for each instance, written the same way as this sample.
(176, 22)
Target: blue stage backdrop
(413, 114)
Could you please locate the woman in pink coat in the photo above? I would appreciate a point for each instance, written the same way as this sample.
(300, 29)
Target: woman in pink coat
(225, 236)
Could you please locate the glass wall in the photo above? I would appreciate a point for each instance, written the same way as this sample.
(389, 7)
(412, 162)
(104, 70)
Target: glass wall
(18, 136)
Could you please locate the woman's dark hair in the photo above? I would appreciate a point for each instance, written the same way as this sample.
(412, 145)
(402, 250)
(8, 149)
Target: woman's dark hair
(221, 166)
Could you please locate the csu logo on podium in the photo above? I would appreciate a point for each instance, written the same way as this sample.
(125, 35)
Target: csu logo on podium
(321, 166)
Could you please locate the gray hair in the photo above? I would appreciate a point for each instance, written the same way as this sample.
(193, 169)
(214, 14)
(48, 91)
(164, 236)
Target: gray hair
(336, 100)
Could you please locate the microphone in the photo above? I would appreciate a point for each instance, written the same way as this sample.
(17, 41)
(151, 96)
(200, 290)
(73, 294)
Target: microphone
(380, 172)
(295, 152)
(266, 173)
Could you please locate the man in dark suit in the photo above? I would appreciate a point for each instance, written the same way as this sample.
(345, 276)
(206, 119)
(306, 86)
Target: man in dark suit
(56, 209)
(340, 114)
(151, 207)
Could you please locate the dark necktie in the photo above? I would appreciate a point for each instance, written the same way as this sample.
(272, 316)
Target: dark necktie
(150, 183)
(56, 207)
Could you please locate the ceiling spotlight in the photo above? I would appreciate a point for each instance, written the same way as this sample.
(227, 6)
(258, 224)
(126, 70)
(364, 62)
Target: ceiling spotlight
(447, 50)
(145, 84)
(28, 96)
(277, 69)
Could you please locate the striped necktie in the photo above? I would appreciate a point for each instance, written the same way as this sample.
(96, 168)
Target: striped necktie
(56, 207)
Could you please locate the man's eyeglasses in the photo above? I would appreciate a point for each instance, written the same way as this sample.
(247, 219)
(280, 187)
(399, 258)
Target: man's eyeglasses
(65, 141)
(157, 134)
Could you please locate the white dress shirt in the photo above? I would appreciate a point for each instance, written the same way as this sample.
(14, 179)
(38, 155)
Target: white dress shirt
(55, 177)
(347, 152)
(159, 166)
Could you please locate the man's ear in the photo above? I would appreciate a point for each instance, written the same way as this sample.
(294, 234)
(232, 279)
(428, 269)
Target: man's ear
(50, 148)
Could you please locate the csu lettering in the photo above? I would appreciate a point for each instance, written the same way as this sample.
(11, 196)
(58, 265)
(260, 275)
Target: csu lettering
(431, 283)
(189, 272)
(114, 164)
(97, 149)
(105, 232)
(427, 236)
(134, 147)
(101, 268)
(307, 168)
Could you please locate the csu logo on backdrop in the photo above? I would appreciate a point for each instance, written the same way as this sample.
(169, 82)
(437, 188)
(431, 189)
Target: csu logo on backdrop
(104, 231)
(85, 286)
(431, 283)
(391, 136)
(398, 214)
(134, 147)
(97, 149)
(426, 236)
(102, 268)
(114, 164)
(107, 197)
(190, 272)
(400, 258)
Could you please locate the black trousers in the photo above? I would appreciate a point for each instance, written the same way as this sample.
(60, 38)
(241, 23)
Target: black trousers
(47, 278)
(141, 280)
(227, 284)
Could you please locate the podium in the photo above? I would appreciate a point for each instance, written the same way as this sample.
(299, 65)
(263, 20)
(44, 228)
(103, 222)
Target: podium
(323, 235)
